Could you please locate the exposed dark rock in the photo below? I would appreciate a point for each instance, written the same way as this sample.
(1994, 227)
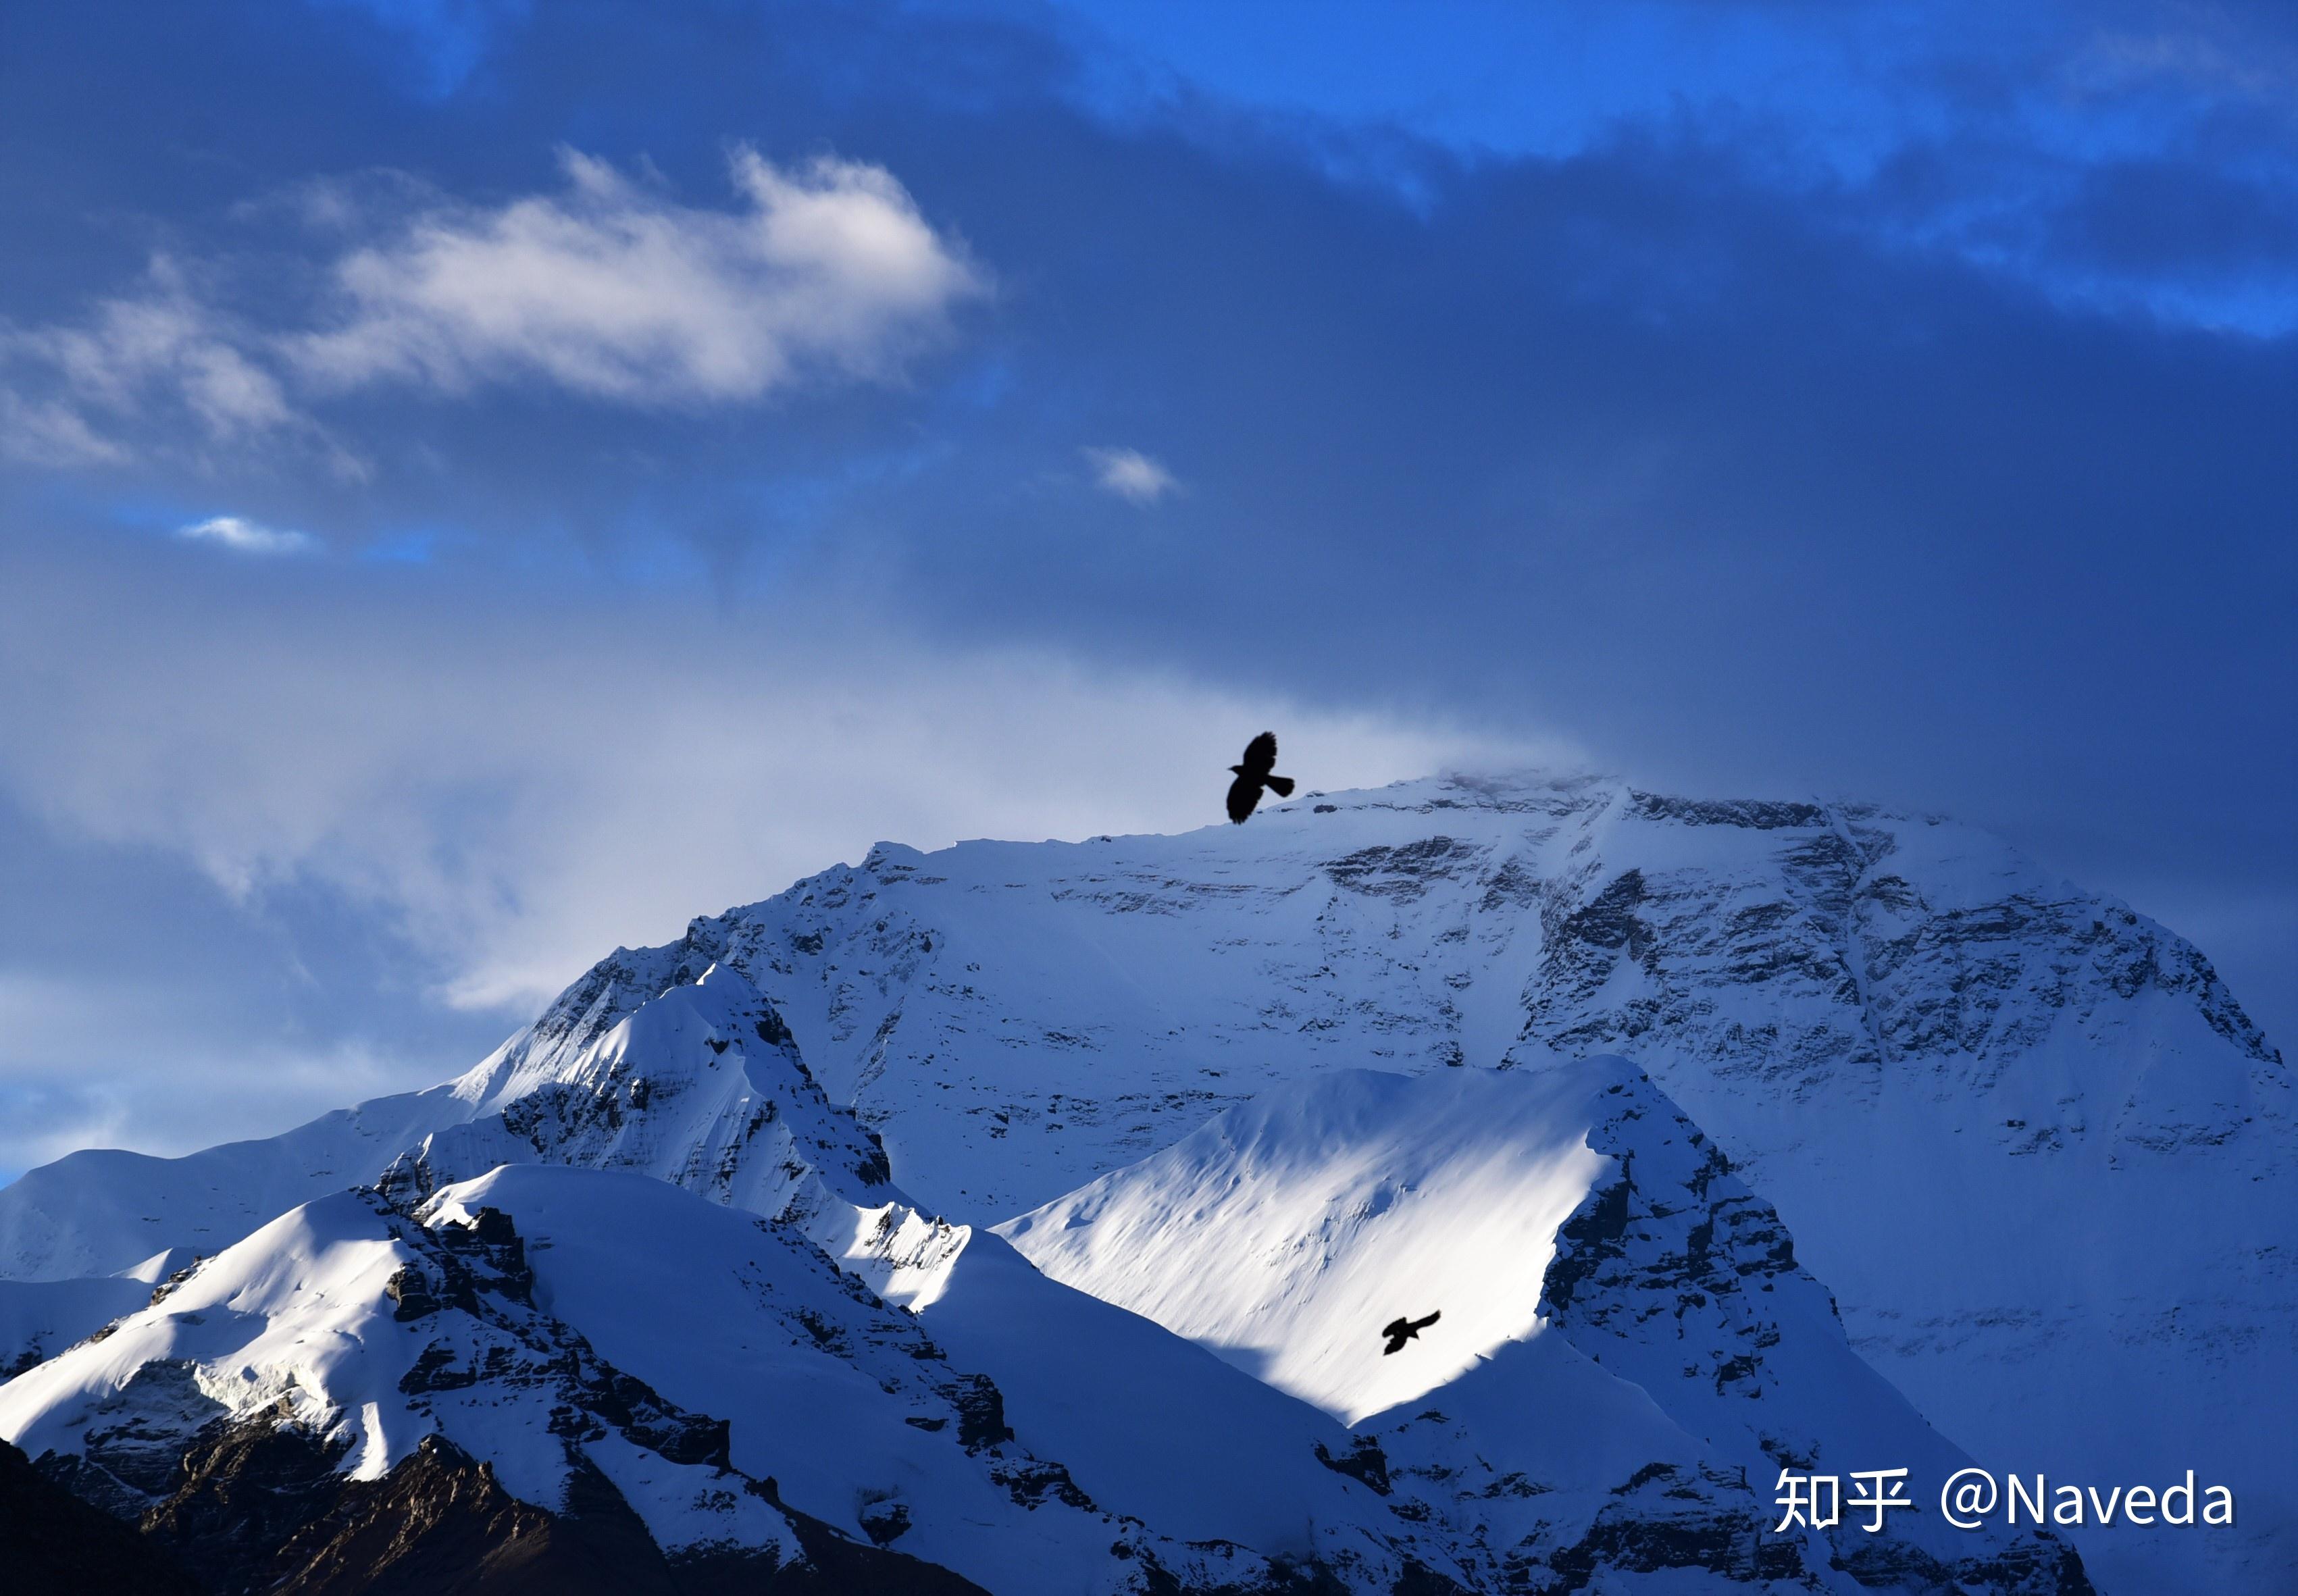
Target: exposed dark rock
(1754, 814)
(242, 1491)
(263, 1513)
(1403, 873)
(980, 1412)
(885, 1522)
(1644, 1538)
(412, 1293)
(2043, 1564)
(1363, 1461)
(1418, 1579)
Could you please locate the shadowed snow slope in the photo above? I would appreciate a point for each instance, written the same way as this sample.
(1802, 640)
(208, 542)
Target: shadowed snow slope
(38, 1319)
(1147, 1423)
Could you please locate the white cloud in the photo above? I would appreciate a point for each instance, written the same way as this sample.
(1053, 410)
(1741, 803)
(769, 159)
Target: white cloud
(1131, 474)
(613, 290)
(248, 537)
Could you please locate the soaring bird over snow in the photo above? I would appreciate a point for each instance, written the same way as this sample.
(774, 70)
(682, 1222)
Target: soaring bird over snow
(1254, 774)
(1401, 1330)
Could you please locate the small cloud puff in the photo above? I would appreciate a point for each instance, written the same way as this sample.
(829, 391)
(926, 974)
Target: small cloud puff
(1131, 474)
(238, 534)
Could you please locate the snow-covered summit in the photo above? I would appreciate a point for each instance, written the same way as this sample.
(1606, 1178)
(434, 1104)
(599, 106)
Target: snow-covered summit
(700, 1085)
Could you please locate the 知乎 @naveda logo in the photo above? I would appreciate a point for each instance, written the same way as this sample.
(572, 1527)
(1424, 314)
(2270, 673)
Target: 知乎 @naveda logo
(1970, 1497)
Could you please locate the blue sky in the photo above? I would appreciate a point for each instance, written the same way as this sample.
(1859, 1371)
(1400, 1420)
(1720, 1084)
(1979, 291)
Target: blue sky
(482, 483)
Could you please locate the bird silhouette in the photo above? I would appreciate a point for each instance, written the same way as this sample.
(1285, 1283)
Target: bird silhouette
(1255, 774)
(1401, 1330)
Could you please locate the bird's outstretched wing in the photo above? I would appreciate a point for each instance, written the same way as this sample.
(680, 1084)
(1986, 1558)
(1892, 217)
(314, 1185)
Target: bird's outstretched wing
(1420, 1324)
(1260, 755)
(1244, 793)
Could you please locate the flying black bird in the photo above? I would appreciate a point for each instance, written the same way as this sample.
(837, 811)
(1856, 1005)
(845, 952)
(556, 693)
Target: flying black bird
(1401, 1330)
(1254, 774)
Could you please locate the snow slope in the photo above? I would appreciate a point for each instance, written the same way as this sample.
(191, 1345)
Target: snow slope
(353, 1326)
(100, 1210)
(1558, 1220)
(1283, 1234)
(858, 1412)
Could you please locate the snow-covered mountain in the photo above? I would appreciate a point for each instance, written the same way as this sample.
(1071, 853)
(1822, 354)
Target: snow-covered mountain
(2024, 1135)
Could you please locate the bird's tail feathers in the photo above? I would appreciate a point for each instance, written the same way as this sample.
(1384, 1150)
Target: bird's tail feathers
(1282, 786)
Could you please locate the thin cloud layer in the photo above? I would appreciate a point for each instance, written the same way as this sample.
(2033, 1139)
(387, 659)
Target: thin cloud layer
(615, 291)
(243, 536)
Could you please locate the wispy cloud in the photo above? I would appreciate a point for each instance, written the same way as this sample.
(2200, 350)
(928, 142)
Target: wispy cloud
(248, 537)
(52, 434)
(159, 352)
(1131, 474)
